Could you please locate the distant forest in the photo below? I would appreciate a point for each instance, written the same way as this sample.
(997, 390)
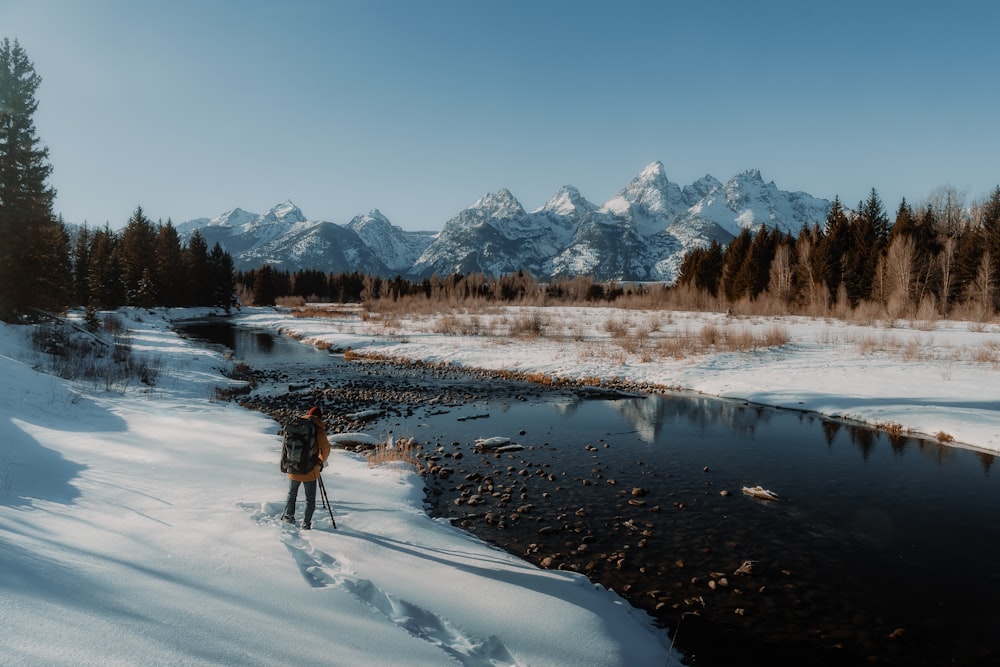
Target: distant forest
(941, 259)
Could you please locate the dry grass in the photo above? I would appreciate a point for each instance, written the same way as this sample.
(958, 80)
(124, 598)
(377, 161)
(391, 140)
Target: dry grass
(987, 353)
(892, 428)
(328, 311)
(612, 333)
(529, 325)
(617, 327)
(404, 450)
(290, 301)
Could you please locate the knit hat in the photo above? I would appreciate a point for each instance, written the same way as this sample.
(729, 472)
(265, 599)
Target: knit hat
(315, 411)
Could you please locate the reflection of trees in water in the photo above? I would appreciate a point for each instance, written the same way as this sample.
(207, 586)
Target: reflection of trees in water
(651, 414)
(865, 439)
(264, 342)
(898, 443)
(830, 431)
(987, 460)
(218, 334)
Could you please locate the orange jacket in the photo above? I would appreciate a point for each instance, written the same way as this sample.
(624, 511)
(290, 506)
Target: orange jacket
(324, 453)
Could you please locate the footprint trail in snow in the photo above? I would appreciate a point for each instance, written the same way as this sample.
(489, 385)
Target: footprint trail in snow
(321, 570)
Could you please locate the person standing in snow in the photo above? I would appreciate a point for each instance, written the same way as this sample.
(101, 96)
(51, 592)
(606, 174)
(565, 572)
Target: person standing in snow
(308, 480)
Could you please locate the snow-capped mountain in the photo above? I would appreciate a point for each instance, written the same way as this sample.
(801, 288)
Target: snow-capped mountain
(641, 234)
(746, 201)
(284, 238)
(397, 249)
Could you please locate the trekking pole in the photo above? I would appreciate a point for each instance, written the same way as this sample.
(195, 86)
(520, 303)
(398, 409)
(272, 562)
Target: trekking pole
(326, 501)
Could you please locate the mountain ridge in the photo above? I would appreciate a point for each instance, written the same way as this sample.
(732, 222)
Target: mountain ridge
(640, 234)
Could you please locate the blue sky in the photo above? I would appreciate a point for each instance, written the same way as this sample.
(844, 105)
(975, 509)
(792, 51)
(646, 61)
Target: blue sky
(190, 108)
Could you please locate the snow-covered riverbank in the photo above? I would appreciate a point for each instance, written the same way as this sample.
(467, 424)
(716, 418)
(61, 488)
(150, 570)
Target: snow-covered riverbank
(140, 527)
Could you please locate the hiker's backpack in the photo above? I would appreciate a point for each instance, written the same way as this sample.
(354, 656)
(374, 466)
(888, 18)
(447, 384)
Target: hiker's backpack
(299, 453)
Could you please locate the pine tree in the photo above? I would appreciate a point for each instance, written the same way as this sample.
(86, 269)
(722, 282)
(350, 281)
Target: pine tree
(755, 272)
(873, 213)
(864, 248)
(171, 278)
(969, 251)
(223, 277)
(81, 267)
(732, 261)
(991, 235)
(199, 273)
(107, 290)
(34, 256)
(831, 249)
(139, 260)
(701, 268)
(906, 222)
(264, 291)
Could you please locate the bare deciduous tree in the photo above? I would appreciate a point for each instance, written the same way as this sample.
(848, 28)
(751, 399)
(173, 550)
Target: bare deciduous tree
(899, 268)
(780, 280)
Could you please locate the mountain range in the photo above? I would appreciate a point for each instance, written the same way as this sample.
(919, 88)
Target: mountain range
(641, 234)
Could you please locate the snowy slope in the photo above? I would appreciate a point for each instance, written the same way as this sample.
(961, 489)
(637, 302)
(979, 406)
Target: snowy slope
(140, 527)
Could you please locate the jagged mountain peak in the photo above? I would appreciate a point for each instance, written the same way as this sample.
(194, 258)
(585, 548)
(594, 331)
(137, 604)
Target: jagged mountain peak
(650, 184)
(749, 185)
(285, 212)
(703, 187)
(653, 196)
(654, 171)
(500, 204)
(397, 249)
(373, 217)
(749, 175)
(747, 201)
(567, 201)
(233, 218)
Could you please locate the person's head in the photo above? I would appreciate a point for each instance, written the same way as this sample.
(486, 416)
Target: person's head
(315, 411)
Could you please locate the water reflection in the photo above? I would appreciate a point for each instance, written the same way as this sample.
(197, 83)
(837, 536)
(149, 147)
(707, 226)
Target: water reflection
(250, 345)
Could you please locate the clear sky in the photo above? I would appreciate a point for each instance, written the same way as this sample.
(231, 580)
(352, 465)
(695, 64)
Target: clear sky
(190, 108)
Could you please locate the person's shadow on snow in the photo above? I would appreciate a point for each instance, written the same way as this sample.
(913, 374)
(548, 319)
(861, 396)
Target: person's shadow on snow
(30, 471)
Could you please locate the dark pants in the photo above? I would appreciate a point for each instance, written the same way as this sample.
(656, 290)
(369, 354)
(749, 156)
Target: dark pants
(293, 495)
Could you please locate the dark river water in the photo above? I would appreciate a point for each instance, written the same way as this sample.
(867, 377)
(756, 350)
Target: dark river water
(882, 550)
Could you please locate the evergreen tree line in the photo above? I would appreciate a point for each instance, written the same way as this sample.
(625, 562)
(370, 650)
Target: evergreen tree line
(935, 259)
(265, 286)
(42, 268)
(146, 265)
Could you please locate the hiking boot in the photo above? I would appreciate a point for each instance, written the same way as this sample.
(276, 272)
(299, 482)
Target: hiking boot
(306, 526)
(287, 519)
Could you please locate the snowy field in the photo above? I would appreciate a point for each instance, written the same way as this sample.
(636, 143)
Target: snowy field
(938, 379)
(138, 526)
